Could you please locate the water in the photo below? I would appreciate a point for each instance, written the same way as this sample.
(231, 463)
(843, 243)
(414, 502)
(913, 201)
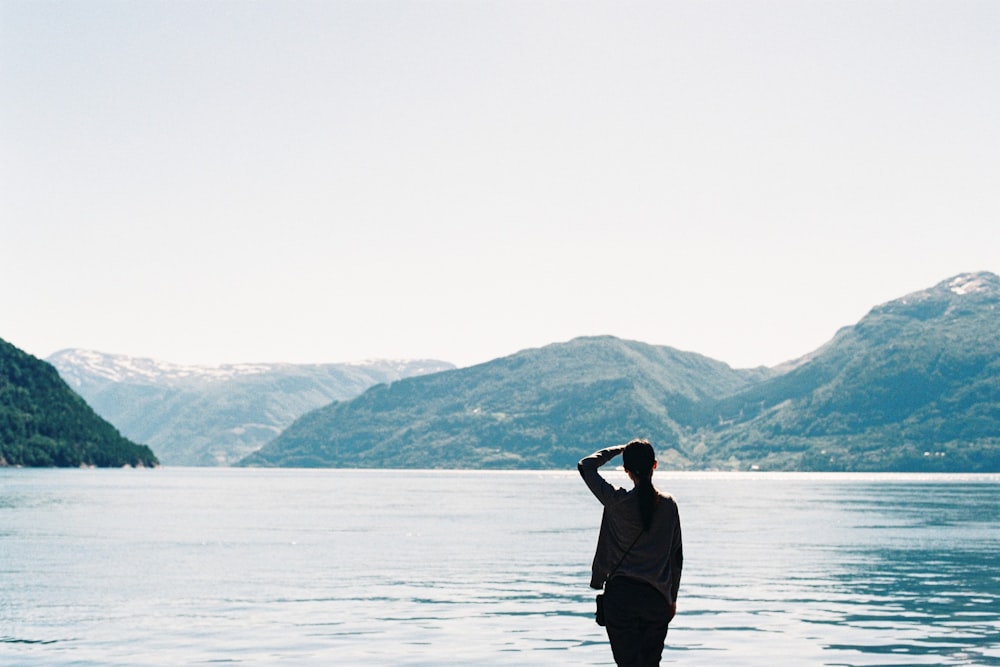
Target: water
(331, 567)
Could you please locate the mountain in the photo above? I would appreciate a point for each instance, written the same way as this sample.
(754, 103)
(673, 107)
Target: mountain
(914, 385)
(538, 408)
(44, 423)
(215, 415)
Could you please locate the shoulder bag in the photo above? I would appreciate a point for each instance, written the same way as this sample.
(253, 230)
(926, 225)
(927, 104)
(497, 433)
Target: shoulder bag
(599, 614)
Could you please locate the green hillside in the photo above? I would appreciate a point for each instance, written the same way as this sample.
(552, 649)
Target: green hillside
(535, 409)
(44, 423)
(915, 385)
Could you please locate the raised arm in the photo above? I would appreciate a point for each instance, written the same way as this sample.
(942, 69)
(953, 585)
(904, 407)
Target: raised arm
(588, 467)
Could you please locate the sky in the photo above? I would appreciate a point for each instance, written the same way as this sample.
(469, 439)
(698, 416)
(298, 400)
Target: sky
(286, 181)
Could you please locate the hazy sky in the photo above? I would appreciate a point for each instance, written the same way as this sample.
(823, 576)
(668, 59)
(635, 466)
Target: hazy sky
(208, 182)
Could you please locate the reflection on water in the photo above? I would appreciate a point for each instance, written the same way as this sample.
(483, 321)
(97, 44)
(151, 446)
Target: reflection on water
(929, 584)
(184, 566)
(853, 570)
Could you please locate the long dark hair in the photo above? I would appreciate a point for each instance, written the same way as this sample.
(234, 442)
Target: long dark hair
(638, 459)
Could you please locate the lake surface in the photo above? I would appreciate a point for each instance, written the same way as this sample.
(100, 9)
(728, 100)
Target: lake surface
(348, 567)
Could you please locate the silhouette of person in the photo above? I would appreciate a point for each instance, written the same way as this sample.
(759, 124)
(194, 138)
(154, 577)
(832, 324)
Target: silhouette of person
(639, 554)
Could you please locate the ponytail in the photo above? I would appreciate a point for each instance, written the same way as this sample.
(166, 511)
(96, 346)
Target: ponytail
(639, 460)
(647, 499)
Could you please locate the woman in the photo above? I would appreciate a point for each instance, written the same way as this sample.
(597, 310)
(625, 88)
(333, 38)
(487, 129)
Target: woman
(639, 555)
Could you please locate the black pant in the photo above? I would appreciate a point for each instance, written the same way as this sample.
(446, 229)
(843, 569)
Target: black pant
(636, 617)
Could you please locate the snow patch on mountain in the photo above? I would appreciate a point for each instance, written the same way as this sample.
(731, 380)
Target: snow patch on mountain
(969, 283)
(77, 365)
(122, 368)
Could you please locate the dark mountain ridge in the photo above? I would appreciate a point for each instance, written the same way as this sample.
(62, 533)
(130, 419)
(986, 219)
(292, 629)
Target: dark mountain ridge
(44, 423)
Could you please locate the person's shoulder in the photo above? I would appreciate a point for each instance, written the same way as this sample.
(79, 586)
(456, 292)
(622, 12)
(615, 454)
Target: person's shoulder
(621, 493)
(619, 497)
(667, 498)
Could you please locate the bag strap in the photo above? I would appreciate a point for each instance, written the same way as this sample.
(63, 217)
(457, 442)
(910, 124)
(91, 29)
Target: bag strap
(626, 553)
(641, 531)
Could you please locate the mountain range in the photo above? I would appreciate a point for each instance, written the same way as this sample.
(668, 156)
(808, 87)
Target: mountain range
(216, 415)
(914, 385)
(533, 409)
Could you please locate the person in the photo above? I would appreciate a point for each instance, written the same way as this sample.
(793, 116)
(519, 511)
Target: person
(639, 554)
